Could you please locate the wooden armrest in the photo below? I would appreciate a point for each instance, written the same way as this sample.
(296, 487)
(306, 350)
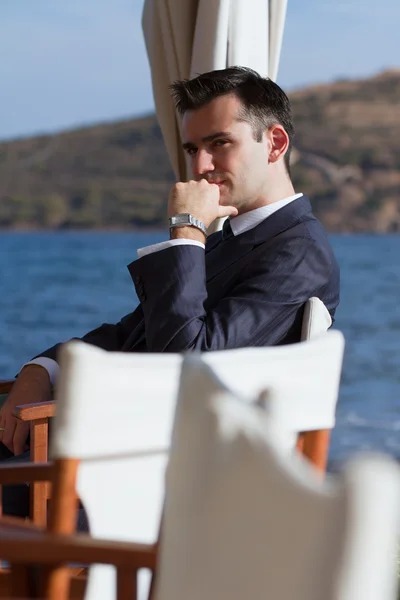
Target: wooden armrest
(30, 547)
(6, 385)
(33, 412)
(25, 472)
(17, 524)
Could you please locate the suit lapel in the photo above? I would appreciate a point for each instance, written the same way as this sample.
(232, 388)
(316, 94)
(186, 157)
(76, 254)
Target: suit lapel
(297, 211)
(222, 254)
(225, 253)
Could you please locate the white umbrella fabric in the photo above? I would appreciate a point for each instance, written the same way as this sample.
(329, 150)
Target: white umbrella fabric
(187, 37)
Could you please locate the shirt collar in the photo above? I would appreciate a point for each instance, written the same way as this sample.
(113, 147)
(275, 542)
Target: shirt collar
(250, 219)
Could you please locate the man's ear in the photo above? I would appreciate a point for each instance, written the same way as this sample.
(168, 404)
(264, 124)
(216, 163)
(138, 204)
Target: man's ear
(279, 143)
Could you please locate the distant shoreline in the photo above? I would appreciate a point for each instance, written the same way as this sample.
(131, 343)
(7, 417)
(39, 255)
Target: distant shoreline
(83, 229)
(121, 229)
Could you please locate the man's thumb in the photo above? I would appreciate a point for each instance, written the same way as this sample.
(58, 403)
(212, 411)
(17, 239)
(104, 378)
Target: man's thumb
(227, 211)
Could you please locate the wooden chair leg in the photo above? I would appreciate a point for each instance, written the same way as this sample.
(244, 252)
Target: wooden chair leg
(55, 583)
(39, 491)
(126, 584)
(78, 587)
(5, 584)
(63, 513)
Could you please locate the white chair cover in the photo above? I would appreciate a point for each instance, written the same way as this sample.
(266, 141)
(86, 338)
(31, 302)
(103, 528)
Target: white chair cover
(244, 520)
(316, 319)
(115, 413)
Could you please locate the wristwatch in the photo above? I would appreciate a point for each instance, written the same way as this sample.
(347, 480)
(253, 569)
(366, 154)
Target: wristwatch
(186, 220)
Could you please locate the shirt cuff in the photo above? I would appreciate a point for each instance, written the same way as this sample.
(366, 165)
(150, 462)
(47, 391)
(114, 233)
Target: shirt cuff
(163, 245)
(49, 364)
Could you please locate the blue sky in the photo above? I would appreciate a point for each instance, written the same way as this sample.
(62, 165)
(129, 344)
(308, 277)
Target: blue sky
(66, 63)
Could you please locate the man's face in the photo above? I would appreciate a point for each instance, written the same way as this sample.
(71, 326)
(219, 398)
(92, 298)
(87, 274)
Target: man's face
(223, 150)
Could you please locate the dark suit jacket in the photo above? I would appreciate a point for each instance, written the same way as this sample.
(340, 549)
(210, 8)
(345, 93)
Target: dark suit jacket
(249, 290)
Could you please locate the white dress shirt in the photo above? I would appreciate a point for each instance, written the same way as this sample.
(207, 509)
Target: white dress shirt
(239, 224)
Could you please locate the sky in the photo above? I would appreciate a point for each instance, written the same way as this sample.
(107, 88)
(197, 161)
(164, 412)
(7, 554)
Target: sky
(69, 63)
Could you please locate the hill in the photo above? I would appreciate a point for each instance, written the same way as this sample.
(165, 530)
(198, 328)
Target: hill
(347, 158)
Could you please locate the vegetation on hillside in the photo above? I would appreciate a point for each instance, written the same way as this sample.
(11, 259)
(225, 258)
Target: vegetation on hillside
(347, 158)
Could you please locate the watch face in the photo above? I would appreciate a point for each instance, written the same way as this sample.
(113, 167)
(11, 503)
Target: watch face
(183, 219)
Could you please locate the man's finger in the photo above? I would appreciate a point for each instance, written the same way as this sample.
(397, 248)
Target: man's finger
(20, 437)
(227, 211)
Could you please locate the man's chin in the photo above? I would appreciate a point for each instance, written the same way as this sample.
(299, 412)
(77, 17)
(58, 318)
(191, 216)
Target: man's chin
(225, 198)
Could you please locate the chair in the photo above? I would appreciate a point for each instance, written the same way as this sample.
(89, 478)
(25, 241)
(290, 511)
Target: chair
(242, 519)
(225, 534)
(134, 437)
(315, 445)
(316, 320)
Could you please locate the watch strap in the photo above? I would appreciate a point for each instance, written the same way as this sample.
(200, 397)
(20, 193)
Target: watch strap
(186, 220)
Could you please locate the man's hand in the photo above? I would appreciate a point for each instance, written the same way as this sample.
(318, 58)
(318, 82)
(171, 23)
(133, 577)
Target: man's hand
(200, 199)
(32, 385)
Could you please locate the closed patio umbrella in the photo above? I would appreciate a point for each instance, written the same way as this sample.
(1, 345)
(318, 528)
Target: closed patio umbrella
(187, 37)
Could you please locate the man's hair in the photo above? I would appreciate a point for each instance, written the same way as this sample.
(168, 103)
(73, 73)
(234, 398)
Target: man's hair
(264, 103)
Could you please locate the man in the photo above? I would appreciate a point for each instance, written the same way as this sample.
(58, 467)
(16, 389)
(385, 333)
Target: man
(245, 287)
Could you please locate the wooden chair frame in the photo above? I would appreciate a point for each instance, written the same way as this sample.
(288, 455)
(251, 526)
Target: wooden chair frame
(38, 416)
(314, 445)
(56, 580)
(60, 475)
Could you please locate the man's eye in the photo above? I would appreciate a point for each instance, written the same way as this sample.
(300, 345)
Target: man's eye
(191, 151)
(220, 143)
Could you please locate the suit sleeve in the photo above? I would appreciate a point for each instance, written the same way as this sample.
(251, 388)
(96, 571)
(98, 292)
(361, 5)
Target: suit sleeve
(259, 309)
(111, 337)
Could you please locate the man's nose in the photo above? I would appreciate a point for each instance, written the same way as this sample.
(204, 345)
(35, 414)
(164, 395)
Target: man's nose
(203, 163)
